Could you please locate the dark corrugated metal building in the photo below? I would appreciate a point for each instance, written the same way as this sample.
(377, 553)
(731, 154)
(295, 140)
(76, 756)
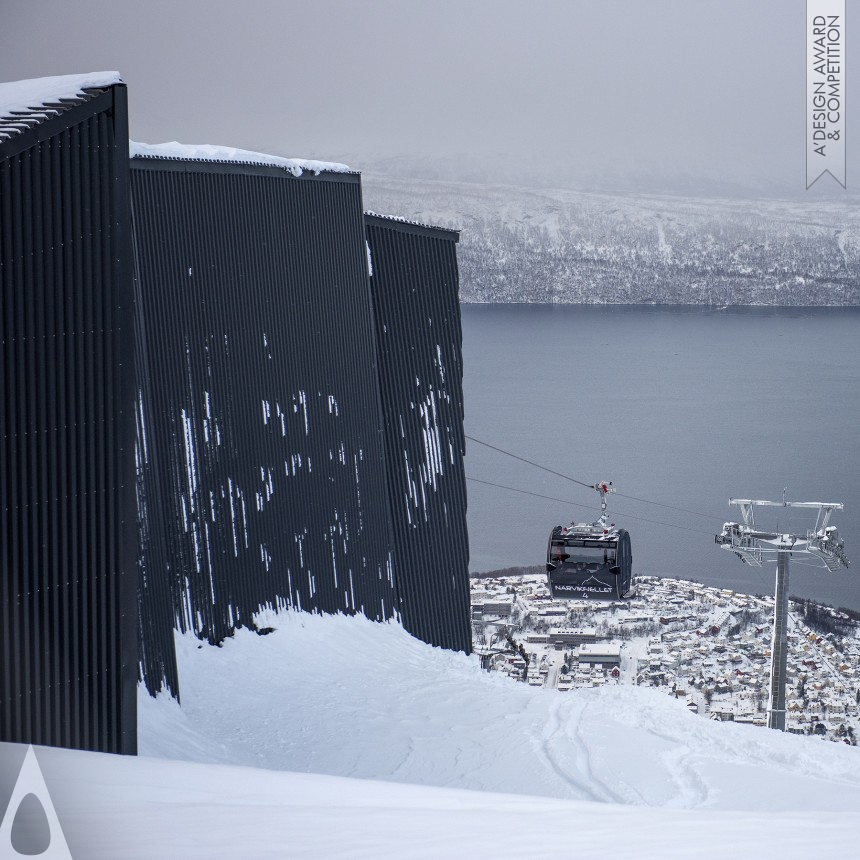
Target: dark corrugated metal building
(263, 461)
(68, 560)
(301, 435)
(290, 437)
(415, 287)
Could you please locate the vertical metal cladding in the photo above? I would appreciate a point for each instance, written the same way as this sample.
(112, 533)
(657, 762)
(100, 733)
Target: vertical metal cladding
(68, 589)
(415, 288)
(261, 457)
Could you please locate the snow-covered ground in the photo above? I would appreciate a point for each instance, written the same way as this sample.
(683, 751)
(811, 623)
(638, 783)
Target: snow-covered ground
(140, 809)
(339, 737)
(348, 697)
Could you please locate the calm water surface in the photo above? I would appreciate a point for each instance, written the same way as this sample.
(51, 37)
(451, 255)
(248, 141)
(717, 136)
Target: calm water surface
(682, 406)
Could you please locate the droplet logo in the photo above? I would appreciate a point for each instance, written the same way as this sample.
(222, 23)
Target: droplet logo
(30, 826)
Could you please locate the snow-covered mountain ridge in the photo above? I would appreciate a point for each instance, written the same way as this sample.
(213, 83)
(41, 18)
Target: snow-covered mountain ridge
(558, 245)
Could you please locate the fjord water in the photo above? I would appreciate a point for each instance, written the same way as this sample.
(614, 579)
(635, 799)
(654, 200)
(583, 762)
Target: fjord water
(683, 406)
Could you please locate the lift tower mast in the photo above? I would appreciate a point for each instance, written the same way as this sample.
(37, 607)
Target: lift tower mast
(752, 545)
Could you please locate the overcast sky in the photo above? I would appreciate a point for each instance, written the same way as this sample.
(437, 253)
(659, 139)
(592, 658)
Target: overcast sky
(682, 89)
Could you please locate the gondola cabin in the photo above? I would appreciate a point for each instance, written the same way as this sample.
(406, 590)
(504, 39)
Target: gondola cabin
(591, 561)
(587, 562)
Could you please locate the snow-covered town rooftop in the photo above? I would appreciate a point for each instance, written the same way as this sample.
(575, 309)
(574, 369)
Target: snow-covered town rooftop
(26, 103)
(208, 152)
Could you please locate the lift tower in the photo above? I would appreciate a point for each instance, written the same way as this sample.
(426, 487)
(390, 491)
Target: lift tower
(752, 546)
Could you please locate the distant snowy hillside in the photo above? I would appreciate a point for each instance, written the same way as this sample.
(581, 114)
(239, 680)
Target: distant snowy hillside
(348, 697)
(542, 245)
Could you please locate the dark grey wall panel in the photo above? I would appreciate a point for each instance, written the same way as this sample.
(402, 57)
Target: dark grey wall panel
(263, 474)
(415, 290)
(68, 589)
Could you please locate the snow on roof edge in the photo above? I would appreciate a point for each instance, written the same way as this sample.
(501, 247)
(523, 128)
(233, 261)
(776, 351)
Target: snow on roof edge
(33, 94)
(176, 151)
(408, 221)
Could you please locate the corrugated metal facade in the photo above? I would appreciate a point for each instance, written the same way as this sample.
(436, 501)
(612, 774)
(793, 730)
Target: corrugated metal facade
(68, 582)
(263, 473)
(270, 447)
(415, 288)
(277, 462)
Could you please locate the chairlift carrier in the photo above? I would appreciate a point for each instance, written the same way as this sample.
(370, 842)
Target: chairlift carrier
(590, 561)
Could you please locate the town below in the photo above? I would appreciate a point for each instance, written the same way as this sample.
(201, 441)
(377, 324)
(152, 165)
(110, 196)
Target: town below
(708, 646)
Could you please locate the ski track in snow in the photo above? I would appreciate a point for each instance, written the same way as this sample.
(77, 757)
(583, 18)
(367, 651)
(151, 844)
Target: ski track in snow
(595, 787)
(617, 795)
(550, 731)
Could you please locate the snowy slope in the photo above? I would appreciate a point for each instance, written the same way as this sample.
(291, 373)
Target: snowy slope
(139, 809)
(348, 697)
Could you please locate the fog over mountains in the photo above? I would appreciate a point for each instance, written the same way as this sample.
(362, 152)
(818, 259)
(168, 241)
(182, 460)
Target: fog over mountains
(531, 243)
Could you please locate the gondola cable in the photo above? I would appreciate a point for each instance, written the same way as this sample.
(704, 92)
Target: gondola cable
(591, 560)
(590, 486)
(531, 463)
(671, 507)
(586, 507)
